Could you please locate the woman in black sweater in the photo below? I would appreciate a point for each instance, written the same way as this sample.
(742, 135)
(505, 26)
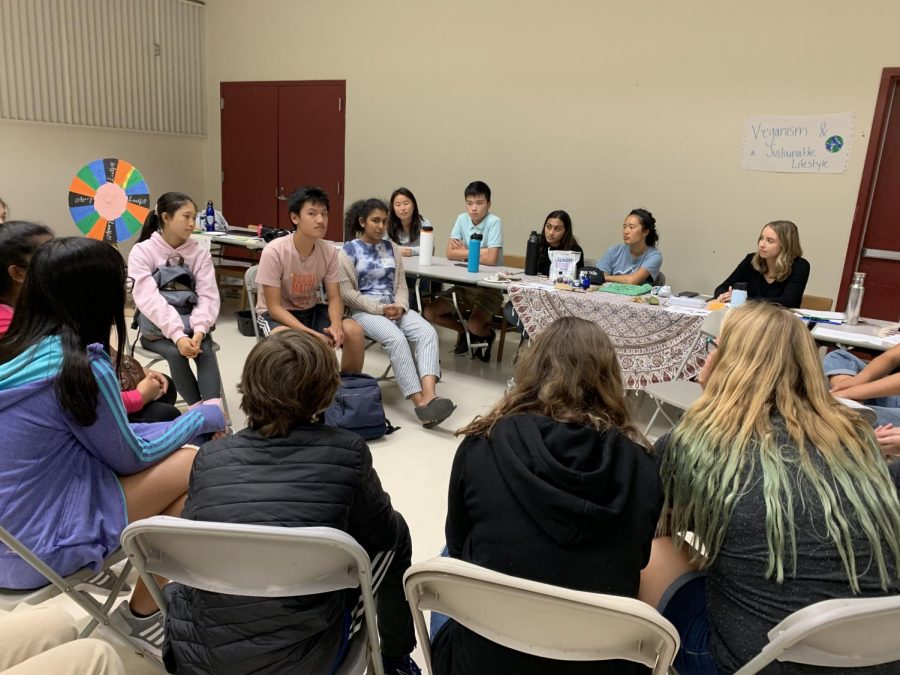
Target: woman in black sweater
(776, 272)
(557, 235)
(555, 485)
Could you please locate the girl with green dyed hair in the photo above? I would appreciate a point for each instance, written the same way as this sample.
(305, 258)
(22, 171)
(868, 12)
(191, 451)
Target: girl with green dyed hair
(785, 491)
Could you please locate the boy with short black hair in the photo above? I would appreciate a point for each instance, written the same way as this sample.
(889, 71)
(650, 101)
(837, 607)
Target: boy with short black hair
(287, 469)
(291, 272)
(483, 303)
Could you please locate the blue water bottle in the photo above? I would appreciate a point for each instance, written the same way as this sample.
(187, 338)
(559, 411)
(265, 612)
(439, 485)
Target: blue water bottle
(474, 251)
(210, 220)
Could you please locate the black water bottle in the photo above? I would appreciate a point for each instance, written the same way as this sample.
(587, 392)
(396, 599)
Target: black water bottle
(532, 251)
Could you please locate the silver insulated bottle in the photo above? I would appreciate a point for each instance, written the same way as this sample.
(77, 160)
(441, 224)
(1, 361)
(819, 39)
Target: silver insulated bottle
(855, 298)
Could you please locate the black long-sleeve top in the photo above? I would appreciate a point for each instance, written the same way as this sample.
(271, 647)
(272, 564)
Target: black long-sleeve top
(788, 293)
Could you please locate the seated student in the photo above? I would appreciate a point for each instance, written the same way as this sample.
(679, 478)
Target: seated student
(876, 384)
(483, 303)
(405, 224)
(287, 469)
(373, 288)
(18, 242)
(292, 271)
(636, 261)
(557, 235)
(45, 640)
(776, 272)
(179, 333)
(147, 394)
(784, 488)
(553, 484)
(73, 472)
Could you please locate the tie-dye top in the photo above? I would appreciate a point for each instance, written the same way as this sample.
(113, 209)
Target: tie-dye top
(375, 267)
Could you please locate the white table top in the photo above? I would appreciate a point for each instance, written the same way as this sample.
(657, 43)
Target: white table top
(864, 334)
(247, 241)
(443, 269)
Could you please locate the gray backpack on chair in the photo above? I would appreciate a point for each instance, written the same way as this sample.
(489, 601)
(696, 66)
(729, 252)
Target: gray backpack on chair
(176, 285)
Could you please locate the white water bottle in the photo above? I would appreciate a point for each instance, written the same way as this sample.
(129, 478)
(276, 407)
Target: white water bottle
(855, 298)
(426, 244)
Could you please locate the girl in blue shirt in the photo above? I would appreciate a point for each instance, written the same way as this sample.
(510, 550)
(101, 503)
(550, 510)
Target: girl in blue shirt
(637, 260)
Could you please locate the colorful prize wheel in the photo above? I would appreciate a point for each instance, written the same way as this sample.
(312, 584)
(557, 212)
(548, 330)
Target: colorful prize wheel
(109, 200)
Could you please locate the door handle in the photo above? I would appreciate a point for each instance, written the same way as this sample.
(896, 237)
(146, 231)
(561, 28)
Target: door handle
(279, 194)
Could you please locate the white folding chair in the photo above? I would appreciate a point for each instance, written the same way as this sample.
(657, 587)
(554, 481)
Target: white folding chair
(681, 394)
(250, 288)
(258, 560)
(848, 633)
(56, 584)
(540, 619)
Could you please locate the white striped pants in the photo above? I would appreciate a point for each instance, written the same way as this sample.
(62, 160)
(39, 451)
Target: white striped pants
(396, 337)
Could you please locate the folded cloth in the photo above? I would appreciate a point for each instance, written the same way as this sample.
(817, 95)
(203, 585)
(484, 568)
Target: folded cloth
(625, 289)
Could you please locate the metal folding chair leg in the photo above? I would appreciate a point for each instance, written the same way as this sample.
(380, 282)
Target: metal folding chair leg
(465, 325)
(97, 611)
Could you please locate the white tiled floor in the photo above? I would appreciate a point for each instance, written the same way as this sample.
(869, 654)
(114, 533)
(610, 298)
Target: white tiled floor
(413, 463)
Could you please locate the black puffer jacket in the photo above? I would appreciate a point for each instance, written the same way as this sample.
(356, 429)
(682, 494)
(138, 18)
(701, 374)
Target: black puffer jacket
(316, 476)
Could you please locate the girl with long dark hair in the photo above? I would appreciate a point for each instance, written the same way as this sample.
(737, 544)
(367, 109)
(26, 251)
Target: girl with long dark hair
(73, 471)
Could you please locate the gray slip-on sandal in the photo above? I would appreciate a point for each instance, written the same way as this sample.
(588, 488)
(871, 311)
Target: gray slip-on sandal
(437, 410)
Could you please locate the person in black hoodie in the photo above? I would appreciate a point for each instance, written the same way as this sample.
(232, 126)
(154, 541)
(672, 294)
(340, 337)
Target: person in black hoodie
(556, 485)
(286, 469)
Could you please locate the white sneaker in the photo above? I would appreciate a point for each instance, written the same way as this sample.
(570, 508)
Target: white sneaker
(145, 633)
(102, 584)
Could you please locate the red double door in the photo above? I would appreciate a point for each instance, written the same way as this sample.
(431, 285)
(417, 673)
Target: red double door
(276, 137)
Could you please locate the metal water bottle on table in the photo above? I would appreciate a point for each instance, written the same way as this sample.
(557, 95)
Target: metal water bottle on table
(426, 244)
(210, 219)
(532, 251)
(855, 298)
(474, 251)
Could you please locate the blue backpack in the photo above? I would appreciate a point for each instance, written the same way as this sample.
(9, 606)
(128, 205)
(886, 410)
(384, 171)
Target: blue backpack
(357, 407)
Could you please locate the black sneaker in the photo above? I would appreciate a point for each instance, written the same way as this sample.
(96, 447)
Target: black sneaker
(402, 666)
(484, 353)
(462, 345)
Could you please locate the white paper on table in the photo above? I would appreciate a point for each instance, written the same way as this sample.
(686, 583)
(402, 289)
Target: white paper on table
(204, 242)
(690, 311)
(844, 336)
(823, 316)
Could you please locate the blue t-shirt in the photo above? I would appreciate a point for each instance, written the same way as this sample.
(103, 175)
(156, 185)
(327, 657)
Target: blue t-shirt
(375, 267)
(618, 260)
(491, 230)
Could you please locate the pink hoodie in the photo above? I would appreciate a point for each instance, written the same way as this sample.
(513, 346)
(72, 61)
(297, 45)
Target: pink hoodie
(143, 261)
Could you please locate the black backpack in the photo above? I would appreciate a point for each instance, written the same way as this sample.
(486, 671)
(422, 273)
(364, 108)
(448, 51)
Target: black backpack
(357, 407)
(176, 284)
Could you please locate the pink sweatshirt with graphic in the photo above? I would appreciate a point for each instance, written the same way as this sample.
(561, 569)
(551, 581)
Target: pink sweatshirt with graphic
(145, 257)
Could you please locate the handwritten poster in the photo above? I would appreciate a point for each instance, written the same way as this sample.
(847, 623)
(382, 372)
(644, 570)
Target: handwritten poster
(798, 143)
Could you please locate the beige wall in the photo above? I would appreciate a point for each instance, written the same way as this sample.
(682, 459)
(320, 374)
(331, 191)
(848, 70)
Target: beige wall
(40, 160)
(594, 107)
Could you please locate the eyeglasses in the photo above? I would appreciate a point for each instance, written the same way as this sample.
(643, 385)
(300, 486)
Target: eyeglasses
(712, 344)
(129, 284)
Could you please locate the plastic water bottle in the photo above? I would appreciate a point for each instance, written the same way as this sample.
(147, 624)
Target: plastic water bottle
(426, 244)
(738, 295)
(474, 251)
(210, 217)
(855, 298)
(532, 250)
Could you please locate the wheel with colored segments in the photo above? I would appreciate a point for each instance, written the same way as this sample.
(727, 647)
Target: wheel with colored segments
(109, 200)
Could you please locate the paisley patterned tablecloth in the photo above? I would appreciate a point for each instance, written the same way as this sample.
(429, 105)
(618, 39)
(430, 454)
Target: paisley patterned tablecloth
(650, 342)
